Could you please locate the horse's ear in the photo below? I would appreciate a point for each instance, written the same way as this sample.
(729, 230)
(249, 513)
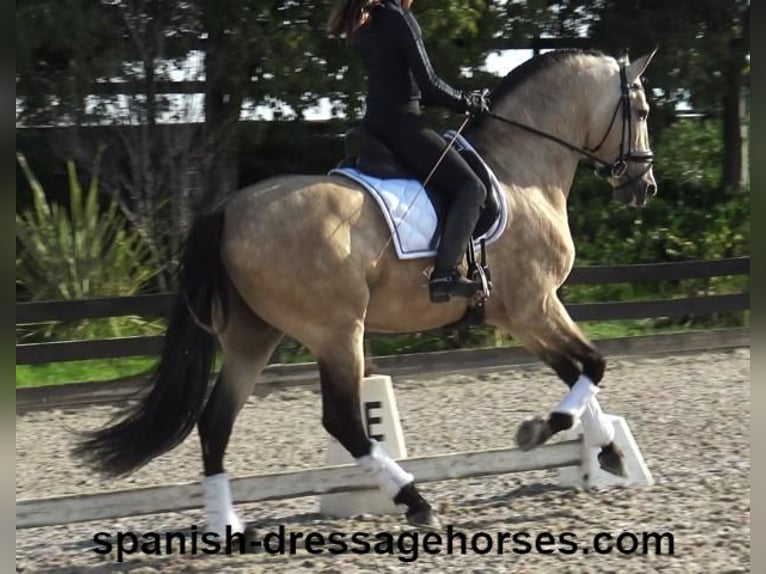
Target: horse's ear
(638, 67)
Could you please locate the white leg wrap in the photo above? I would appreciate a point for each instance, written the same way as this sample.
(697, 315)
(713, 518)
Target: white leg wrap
(577, 398)
(598, 430)
(218, 505)
(387, 473)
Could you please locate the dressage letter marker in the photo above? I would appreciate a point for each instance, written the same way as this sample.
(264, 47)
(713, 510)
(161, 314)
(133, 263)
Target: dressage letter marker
(382, 424)
(369, 406)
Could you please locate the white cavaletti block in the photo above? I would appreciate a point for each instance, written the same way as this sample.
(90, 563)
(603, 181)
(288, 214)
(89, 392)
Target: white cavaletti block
(589, 473)
(381, 419)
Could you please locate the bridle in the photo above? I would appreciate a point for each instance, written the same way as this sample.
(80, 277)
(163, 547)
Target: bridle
(619, 166)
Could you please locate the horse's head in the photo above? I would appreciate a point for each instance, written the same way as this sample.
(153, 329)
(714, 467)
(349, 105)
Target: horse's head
(620, 135)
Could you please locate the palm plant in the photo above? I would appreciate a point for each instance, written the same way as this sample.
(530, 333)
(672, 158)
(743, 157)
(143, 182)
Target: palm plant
(80, 251)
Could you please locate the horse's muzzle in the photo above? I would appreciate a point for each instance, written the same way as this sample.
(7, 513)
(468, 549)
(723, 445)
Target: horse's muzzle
(637, 190)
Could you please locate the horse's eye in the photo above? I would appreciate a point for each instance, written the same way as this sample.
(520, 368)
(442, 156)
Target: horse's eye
(643, 114)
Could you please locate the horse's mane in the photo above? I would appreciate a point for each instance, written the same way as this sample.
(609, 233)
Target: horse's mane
(533, 66)
(522, 73)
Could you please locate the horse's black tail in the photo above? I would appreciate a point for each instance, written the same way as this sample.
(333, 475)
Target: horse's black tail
(180, 381)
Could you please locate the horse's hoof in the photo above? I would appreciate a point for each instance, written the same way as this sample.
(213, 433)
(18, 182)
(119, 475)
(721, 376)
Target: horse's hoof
(532, 433)
(425, 519)
(612, 460)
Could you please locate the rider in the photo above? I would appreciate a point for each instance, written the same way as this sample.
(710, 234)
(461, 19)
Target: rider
(399, 75)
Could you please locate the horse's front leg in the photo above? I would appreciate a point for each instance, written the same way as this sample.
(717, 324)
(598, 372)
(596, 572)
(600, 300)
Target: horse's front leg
(341, 366)
(558, 342)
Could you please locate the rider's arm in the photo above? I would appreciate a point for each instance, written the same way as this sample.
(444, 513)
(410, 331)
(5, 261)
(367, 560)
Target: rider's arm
(434, 89)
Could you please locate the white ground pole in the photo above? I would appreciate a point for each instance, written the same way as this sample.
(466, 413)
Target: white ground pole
(353, 488)
(57, 510)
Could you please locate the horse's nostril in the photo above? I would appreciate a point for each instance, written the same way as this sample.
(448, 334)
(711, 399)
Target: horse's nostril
(651, 190)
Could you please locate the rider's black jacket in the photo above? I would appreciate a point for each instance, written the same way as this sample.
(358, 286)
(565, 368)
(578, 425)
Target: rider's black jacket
(399, 73)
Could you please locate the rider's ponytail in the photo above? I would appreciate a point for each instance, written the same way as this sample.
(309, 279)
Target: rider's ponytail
(348, 15)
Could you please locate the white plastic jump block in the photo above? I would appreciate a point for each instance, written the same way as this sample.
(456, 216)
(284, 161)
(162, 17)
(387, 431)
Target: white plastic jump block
(589, 474)
(381, 419)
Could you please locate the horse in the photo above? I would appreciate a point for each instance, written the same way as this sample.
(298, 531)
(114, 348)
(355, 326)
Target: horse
(310, 257)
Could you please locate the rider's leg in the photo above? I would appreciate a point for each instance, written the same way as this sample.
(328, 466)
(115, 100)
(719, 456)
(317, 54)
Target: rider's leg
(420, 148)
(461, 218)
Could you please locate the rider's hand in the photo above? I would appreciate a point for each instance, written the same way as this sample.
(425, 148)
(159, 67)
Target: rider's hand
(476, 102)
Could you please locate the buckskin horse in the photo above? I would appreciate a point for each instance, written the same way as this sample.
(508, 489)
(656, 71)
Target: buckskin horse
(310, 257)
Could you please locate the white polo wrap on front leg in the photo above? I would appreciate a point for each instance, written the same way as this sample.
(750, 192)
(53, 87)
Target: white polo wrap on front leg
(598, 430)
(577, 398)
(218, 505)
(387, 473)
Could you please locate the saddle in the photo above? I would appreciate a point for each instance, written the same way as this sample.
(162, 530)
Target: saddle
(368, 154)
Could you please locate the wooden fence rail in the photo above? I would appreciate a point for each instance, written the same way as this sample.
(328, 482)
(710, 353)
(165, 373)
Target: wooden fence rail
(160, 305)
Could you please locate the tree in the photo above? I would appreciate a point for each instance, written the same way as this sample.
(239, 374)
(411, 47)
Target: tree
(61, 47)
(703, 56)
(149, 167)
(254, 53)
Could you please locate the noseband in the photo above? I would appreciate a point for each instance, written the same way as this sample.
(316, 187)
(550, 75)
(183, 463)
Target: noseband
(627, 154)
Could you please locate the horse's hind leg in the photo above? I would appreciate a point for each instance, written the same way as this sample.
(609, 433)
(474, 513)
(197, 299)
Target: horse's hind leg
(247, 343)
(341, 366)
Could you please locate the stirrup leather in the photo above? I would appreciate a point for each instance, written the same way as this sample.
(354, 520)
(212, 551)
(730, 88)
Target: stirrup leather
(479, 271)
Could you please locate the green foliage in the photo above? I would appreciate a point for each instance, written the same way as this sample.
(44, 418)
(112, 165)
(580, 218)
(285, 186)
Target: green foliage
(269, 52)
(694, 36)
(79, 251)
(690, 151)
(691, 218)
(82, 371)
(673, 229)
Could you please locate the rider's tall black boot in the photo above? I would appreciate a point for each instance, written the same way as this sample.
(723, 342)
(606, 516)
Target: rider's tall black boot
(446, 281)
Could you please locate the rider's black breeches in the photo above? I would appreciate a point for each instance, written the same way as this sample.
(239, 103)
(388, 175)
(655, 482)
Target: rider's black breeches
(419, 148)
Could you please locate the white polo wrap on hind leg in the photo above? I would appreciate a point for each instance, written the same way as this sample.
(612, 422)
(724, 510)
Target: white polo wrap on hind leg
(578, 397)
(598, 430)
(387, 473)
(218, 505)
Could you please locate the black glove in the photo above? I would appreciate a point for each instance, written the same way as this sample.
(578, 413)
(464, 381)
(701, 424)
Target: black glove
(476, 102)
